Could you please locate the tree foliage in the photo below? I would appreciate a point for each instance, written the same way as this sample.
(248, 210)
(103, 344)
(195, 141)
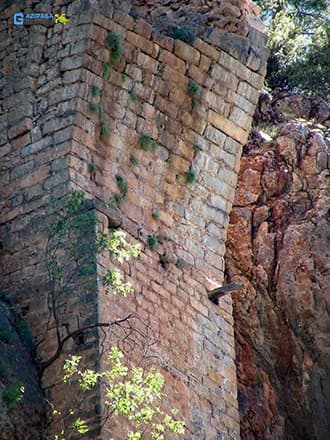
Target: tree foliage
(131, 393)
(299, 39)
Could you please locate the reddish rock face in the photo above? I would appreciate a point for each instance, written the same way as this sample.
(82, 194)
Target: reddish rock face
(278, 248)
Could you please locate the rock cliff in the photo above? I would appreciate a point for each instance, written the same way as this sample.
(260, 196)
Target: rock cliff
(22, 408)
(278, 249)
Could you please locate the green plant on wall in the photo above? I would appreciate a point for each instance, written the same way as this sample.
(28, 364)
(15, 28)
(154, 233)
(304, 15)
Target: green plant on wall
(155, 214)
(147, 142)
(104, 131)
(12, 394)
(114, 44)
(179, 263)
(183, 34)
(105, 71)
(152, 242)
(96, 91)
(92, 170)
(194, 91)
(122, 184)
(95, 108)
(115, 201)
(197, 148)
(133, 95)
(190, 175)
(134, 160)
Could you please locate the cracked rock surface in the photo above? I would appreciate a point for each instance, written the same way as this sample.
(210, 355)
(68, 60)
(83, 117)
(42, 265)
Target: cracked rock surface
(22, 416)
(278, 247)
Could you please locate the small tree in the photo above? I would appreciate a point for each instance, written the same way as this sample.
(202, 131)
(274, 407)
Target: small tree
(131, 393)
(299, 40)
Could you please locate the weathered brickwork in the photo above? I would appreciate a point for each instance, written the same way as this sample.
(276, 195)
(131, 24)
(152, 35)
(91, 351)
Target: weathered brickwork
(53, 139)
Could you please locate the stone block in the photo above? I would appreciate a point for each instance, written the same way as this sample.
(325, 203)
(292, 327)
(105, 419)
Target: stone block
(186, 52)
(206, 49)
(228, 127)
(255, 80)
(196, 74)
(63, 135)
(5, 150)
(225, 76)
(219, 203)
(173, 61)
(253, 62)
(143, 44)
(235, 45)
(178, 97)
(166, 107)
(21, 170)
(227, 176)
(230, 161)
(21, 141)
(241, 102)
(248, 92)
(219, 187)
(22, 127)
(199, 307)
(217, 103)
(34, 177)
(72, 62)
(123, 17)
(163, 41)
(175, 77)
(143, 28)
(241, 118)
(147, 63)
(233, 147)
(204, 63)
(215, 135)
(192, 217)
(179, 163)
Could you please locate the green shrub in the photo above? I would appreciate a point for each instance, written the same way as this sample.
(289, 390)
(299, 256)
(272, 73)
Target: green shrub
(104, 131)
(196, 148)
(114, 44)
(96, 91)
(182, 34)
(134, 160)
(94, 108)
(179, 262)
(194, 91)
(159, 121)
(92, 169)
(133, 95)
(122, 185)
(190, 175)
(115, 201)
(152, 242)
(12, 394)
(155, 214)
(147, 142)
(124, 77)
(105, 71)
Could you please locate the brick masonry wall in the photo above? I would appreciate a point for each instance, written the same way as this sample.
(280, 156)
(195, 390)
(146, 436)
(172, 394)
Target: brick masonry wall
(51, 140)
